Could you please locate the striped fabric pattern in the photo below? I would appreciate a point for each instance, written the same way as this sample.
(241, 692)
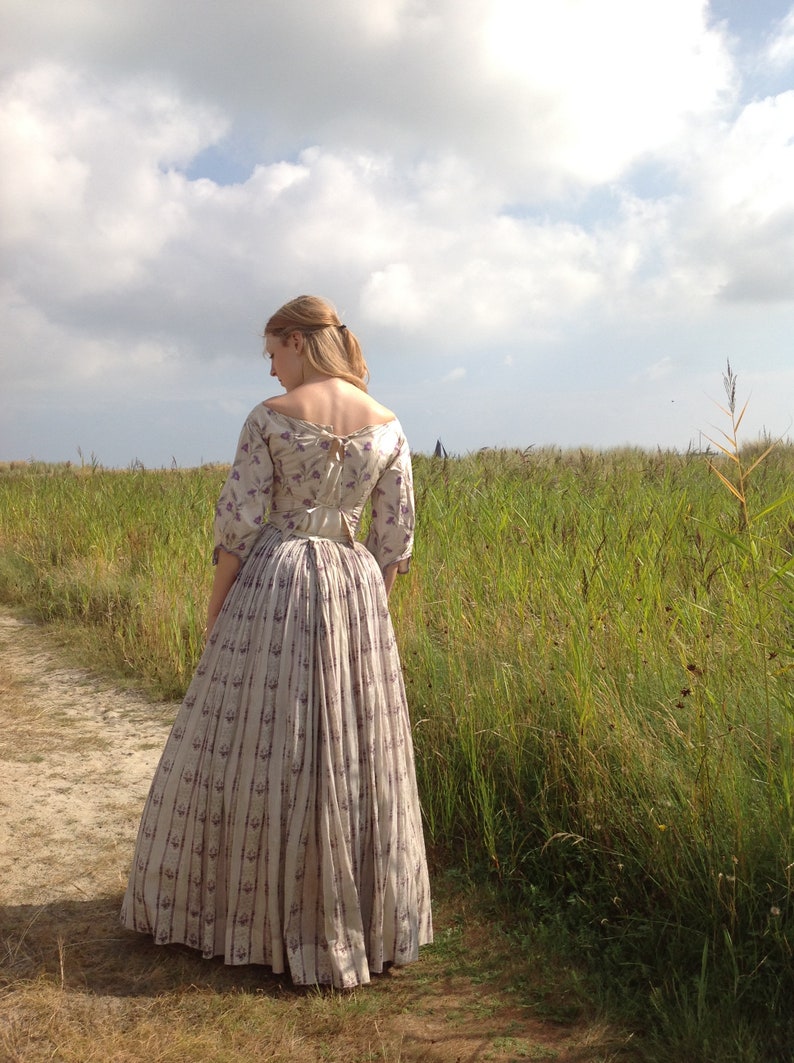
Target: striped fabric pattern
(283, 824)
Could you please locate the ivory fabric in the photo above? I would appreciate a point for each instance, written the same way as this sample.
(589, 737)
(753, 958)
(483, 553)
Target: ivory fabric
(283, 824)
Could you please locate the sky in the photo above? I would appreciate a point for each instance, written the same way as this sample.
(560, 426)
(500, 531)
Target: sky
(549, 224)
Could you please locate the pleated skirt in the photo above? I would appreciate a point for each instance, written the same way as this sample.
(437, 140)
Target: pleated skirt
(283, 824)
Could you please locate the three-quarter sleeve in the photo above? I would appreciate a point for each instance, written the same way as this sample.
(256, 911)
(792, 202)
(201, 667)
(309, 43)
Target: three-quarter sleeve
(245, 499)
(391, 532)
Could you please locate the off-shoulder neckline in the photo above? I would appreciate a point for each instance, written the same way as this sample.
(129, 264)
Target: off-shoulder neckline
(329, 429)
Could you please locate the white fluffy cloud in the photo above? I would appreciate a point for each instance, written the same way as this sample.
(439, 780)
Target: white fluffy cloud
(533, 93)
(597, 87)
(462, 176)
(780, 50)
(91, 198)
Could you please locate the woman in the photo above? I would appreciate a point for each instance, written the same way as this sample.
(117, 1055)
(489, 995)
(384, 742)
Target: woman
(283, 824)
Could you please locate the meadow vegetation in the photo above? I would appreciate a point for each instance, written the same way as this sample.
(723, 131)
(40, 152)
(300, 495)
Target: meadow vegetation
(598, 653)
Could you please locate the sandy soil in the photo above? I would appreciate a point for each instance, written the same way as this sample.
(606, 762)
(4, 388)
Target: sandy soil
(77, 759)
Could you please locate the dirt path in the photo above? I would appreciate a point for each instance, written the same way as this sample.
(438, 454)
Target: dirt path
(77, 759)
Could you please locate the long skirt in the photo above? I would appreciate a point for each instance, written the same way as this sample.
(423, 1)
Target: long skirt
(283, 825)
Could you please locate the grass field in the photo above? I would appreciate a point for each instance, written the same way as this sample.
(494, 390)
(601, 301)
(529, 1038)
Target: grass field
(598, 654)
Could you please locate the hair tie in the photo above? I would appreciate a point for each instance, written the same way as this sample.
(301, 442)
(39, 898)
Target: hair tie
(342, 328)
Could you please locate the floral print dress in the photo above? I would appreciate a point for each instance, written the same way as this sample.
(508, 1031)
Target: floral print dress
(283, 824)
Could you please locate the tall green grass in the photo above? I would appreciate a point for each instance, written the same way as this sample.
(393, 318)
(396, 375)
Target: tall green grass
(598, 654)
(122, 557)
(594, 716)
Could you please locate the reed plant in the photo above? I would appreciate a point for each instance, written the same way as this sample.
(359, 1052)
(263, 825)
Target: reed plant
(609, 736)
(120, 558)
(597, 650)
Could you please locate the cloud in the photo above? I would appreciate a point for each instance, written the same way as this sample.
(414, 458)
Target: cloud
(455, 374)
(659, 369)
(92, 197)
(560, 185)
(737, 226)
(537, 95)
(122, 246)
(121, 243)
(780, 50)
(593, 82)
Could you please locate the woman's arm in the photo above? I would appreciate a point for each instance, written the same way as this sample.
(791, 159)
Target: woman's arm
(391, 530)
(225, 574)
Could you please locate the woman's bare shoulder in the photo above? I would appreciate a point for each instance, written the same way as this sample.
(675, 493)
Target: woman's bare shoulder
(343, 406)
(380, 412)
(279, 403)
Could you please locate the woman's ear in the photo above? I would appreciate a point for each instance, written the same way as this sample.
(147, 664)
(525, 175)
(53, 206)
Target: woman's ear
(296, 342)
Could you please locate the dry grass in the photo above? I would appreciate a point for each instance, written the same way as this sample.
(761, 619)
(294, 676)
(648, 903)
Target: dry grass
(27, 737)
(77, 988)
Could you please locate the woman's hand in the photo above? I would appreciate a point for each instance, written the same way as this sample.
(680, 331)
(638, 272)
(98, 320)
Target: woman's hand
(389, 576)
(225, 574)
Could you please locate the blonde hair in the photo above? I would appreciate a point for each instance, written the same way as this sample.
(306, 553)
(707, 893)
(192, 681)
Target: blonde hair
(329, 346)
